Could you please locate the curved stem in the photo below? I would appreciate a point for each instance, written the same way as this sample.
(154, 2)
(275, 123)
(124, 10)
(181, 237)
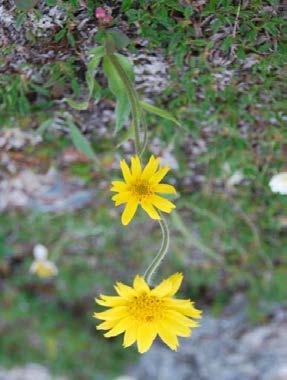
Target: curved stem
(134, 102)
(144, 143)
(161, 253)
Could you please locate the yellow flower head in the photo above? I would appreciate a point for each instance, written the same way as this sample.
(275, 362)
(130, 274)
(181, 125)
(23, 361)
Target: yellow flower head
(141, 187)
(41, 266)
(142, 313)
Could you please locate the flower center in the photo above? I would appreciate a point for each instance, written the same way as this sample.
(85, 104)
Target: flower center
(146, 308)
(141, 188)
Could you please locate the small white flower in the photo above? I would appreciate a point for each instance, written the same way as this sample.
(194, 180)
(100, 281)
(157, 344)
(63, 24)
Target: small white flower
(235, 179)
(278, 183)
(40, 252)
(41, 266)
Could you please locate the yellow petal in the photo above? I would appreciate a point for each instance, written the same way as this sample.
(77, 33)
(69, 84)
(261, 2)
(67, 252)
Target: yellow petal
(129, 211)
(111, 301)
(150, 168)
(119, 186)
(140, 285)
(125, 291)
(161, 203)
(114, 313)
(175, 280)
(136, 167)
(107, 324)
(123, 197)
(185, 308)
(165, 189)
(169, 286)
(177, 328)
(180, 318)
(146, 334)
(151, 211)
(130, 335)
(126, 171)
(168, 337)
(119, 328)
(163, 289)
(158, 176)
(101, 302)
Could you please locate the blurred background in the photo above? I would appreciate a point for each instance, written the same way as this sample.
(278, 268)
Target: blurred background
(218, 66)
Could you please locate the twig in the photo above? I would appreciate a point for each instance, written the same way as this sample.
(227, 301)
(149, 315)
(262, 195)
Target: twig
(236, 20)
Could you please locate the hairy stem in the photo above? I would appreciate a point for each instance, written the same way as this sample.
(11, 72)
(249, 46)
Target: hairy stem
(161, 253)
(144, 143)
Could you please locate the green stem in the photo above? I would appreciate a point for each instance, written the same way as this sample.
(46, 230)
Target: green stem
(144, 143)
(161, 253)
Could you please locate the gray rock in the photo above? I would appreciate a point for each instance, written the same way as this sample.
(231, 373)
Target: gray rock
(228, 348)
(279, 373)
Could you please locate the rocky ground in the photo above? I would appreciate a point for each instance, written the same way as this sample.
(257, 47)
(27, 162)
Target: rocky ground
(223, 349)
(29, 372)
(226, 348)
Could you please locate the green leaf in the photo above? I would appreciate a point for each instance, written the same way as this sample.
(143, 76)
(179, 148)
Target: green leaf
(159, 112)
(24, 105)
(125, 135)
(19, 20)
(80, 106)
(188, 11)
(60, 35)
(76, 87)
(93, 64)
(126, 5)
(25, 5)
(118, 88)
(227, 43)
(126, 65)
(122, 112)
(120, 39)
(71, 39)
(91, 67)
(98, 52)
(45, 125)
(80, 141)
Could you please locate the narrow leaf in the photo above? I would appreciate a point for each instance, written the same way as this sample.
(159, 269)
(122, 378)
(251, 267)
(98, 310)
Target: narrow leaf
(20, 20)
(122, 112)
(159, 112)
(45, 125)
(92, 65)
(80, 141)
(120, 39)
(97, 52)
(80, 106)
(118, 88)
(126, 65)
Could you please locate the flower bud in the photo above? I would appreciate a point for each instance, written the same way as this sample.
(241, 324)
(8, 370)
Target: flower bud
(100, 13)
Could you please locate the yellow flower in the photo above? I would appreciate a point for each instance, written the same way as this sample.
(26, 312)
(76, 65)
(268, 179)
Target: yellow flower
(140, 188)
(143, 313)
(41, 266)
